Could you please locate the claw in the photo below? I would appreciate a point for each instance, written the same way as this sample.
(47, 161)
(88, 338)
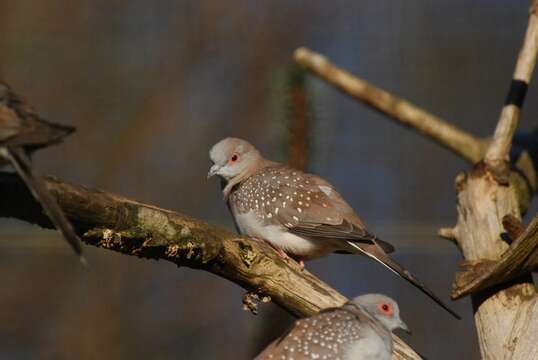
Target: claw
(282, 253)
(285, 256)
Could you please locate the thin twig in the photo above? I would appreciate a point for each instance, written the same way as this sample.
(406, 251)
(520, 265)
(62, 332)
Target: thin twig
(404, 112)
(498, 152)
(298, 118)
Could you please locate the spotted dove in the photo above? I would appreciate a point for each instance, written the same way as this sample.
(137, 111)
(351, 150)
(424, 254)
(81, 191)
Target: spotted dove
(21, 132)
(299, 214)
(359, 330)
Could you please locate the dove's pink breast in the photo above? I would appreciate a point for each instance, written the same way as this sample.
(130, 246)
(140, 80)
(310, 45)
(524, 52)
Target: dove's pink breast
(250, 224)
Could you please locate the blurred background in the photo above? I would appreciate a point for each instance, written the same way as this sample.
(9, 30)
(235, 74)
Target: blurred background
(152, 85)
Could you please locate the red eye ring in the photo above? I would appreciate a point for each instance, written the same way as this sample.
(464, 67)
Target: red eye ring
(234, 158)
(385, 308)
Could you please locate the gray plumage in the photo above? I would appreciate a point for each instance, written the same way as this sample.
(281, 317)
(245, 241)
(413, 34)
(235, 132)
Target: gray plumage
(298, 213)
(359, 330)
(22, 131)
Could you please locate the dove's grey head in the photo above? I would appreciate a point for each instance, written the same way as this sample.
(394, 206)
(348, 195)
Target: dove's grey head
(382, 308)
(233, 157)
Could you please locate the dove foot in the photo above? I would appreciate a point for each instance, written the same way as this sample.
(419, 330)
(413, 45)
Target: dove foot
(285, 256)
(282, 253)
(300, 261)
(279, 251)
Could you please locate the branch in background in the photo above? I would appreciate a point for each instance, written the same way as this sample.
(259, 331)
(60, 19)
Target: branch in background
(497, 155)
(298, 119)
(520, 259)
(463, 144)
(116, 223)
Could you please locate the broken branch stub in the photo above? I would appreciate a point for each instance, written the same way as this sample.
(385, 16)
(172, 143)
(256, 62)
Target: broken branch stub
(519, 259)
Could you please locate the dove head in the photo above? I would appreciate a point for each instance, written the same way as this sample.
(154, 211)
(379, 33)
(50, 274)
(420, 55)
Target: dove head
(383, 309)
(233, 158)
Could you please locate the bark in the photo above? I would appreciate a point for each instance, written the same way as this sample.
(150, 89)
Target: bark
(506, 316)
(502, 313)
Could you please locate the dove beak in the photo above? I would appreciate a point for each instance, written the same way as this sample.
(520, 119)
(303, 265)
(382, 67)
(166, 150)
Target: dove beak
(213, 170)
(404, 327)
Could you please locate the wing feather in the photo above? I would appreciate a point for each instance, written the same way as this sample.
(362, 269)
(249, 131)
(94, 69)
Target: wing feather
(311, 207)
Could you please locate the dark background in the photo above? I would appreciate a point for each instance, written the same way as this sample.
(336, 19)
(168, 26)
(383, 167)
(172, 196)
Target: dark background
(152, 85)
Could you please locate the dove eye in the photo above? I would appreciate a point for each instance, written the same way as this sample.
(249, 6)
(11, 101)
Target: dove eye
(385, 308)
(234, 158)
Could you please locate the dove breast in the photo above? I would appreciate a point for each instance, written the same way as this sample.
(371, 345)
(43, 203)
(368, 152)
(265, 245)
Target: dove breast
(250, 224)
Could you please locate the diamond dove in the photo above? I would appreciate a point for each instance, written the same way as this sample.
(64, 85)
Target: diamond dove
(299, 214)
(361, 329)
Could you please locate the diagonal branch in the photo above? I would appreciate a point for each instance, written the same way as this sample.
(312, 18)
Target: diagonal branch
(116, 223)
(458, 141)
(498, 152)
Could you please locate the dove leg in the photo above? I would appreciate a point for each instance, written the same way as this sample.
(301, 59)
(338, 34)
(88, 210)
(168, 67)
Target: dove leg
(299, 260)
(284, 255)
(279, 251)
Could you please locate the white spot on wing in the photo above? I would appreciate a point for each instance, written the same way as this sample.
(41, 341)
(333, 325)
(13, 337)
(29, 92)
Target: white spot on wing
(327, 190)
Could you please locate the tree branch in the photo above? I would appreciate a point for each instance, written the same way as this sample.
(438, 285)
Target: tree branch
(116, 223)
(498, 152)
(458, 141)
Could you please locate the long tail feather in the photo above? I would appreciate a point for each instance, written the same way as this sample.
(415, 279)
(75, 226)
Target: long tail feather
(21, 163)
(399, 270)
